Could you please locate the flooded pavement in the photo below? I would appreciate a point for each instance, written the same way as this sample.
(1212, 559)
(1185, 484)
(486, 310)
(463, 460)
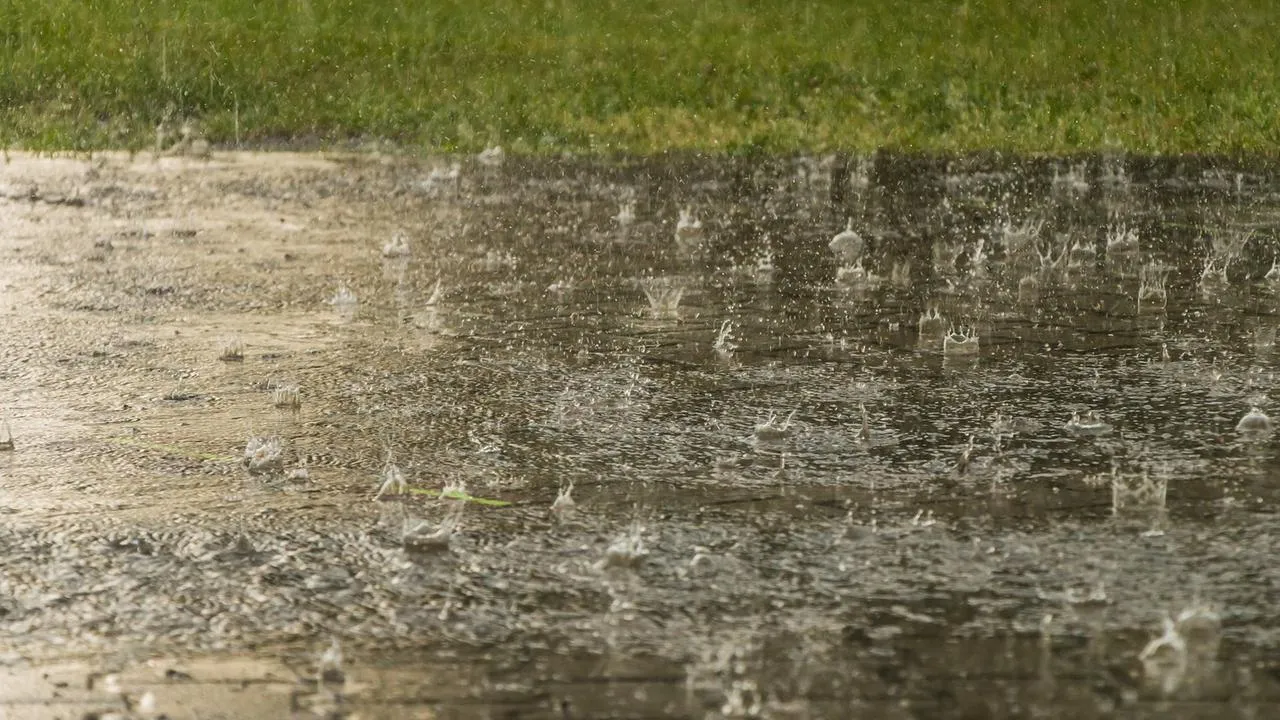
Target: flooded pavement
(885, 437)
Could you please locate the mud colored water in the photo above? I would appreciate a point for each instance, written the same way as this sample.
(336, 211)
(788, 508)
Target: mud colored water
(793, 496)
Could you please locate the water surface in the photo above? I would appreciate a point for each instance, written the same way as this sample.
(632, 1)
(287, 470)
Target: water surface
(970, 553)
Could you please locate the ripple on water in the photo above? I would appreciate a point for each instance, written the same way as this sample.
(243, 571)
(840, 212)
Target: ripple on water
(525, 345)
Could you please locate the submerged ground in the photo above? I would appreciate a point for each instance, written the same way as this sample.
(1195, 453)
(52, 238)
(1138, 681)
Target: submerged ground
(795, 494)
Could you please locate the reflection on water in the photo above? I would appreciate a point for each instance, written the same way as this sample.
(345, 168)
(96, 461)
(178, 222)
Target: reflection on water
(877, 437)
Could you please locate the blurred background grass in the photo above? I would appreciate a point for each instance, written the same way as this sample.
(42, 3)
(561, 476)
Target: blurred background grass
(647, 75)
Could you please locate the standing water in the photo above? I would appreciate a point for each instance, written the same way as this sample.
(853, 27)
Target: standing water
(662, 446)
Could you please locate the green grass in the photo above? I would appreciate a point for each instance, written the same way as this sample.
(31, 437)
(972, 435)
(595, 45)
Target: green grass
(648, 75)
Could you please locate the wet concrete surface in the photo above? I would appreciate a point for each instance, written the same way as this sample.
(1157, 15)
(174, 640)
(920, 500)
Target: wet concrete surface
(921, 529)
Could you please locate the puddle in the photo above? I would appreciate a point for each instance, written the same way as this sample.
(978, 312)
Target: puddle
(795, 491)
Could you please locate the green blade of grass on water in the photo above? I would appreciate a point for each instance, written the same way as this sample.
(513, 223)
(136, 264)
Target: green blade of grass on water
(455, 495)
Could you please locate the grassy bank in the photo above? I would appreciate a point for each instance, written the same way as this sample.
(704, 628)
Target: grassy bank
(648, 75)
